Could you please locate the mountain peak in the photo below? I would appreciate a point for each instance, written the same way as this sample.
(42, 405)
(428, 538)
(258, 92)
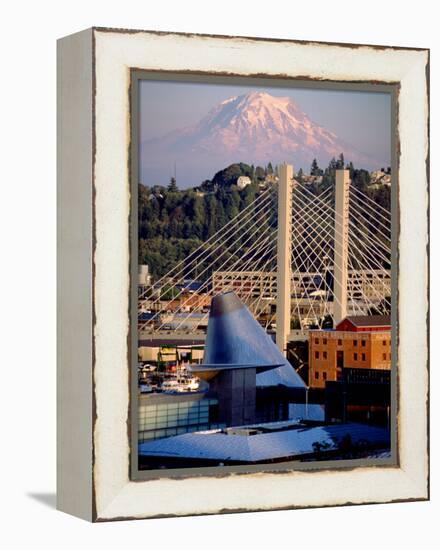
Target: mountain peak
(257, 95)
(266, 99)
(256, 113)
(255, 128)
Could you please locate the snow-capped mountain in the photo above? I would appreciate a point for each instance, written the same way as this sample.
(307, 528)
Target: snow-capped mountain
(255, 128)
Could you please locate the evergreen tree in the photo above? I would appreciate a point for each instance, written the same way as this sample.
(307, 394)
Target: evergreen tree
(314, 169)
(221, 218)
(260, 173)
(361, 179)
(198, 217)
(211, 212)
(172, 186)
(249, 194)
(340, 162)
(235, 203)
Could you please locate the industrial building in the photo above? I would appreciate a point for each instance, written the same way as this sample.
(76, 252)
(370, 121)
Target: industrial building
(311, 292)
(366, 283)
(246, 284)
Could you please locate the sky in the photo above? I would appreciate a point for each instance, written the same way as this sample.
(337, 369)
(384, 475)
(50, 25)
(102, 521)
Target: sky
(359, 118)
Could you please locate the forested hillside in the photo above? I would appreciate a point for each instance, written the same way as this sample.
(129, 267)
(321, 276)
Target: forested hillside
(173, 222)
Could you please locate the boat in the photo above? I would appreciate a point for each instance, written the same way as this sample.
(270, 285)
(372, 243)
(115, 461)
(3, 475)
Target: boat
(170, 386)
(181, 385)
(191, 383)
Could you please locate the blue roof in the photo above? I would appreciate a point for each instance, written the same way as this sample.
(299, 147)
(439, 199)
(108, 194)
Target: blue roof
(145, 316)
(300, 440)
(190, 285)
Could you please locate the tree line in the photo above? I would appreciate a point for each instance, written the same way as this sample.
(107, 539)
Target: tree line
(173, 223)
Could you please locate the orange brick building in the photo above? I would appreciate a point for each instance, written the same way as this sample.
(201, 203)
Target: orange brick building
(362, 342)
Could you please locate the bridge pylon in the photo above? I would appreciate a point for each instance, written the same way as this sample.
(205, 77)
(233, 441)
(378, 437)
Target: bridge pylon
(284, 248)
(340, 271)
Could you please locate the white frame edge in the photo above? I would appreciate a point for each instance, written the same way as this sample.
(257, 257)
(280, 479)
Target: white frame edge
(115, 496)
(75, 274)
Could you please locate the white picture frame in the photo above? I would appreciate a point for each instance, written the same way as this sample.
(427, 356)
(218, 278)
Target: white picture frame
(94, 277)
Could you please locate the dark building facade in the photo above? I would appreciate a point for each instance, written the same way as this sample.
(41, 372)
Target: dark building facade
(236, 394)
(362, 395)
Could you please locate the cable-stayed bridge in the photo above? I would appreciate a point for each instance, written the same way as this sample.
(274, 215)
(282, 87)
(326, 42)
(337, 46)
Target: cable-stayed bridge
(297, 258)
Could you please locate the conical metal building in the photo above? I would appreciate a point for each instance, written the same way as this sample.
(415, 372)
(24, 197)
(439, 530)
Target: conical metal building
(236, 349)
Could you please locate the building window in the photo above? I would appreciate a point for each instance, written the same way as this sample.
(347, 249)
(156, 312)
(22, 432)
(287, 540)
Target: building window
(324, 376)
(339, 342)
(384, 342)
(324, 354)
(324, 341)
(355, 356)
(316, 375)
(355, 343)
(384, 356)
(363, 357)
(163, 420)
(363, 343)
(316, 340)
(316, 354)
